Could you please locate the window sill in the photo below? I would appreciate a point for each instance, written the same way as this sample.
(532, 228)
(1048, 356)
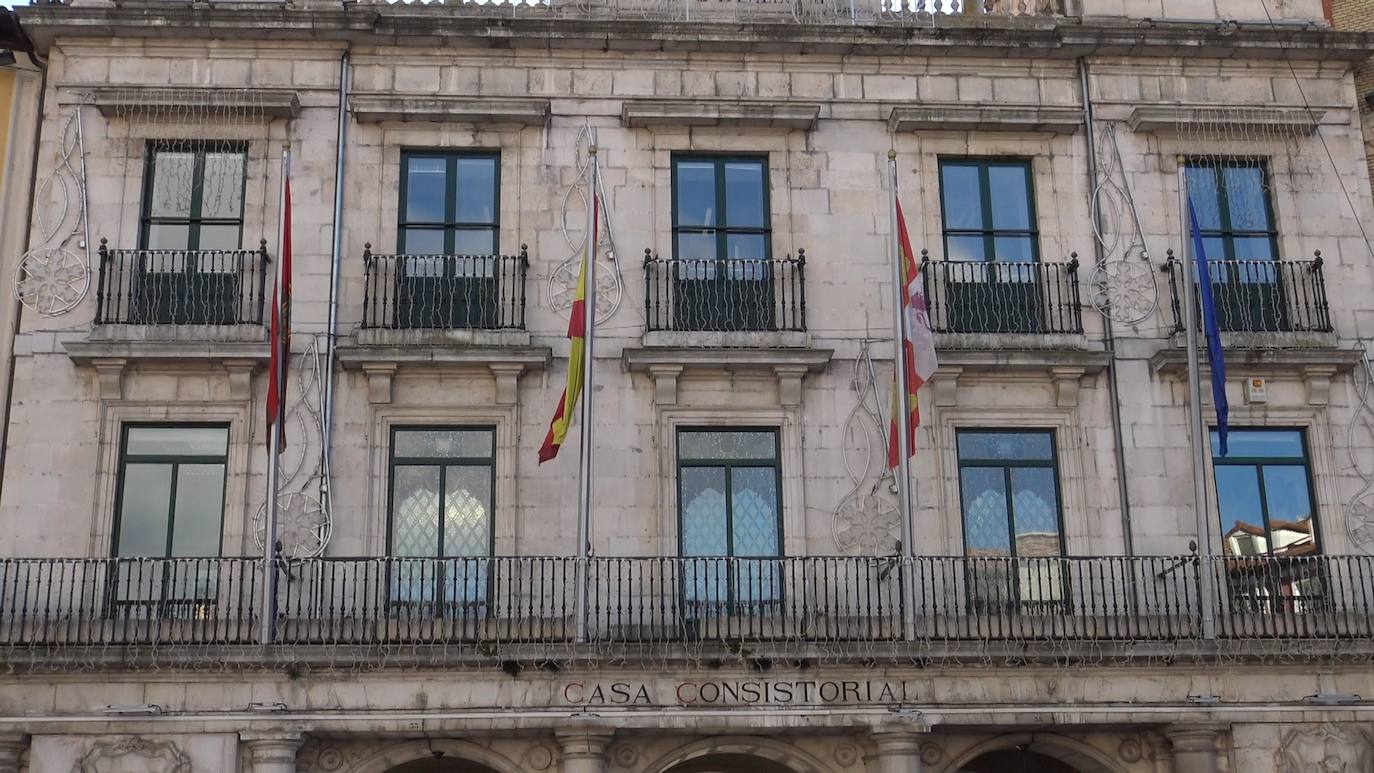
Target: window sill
(665, 364)
(1315, 366)
(380, 362)
(111, 358)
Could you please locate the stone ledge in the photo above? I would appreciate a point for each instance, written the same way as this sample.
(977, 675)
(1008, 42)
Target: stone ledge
(1174, 362)
(375, 108)
(960, 343)
(637, 113)
(1064, 368)
(1172, 118)
(173, 335)
(682, 339)
(665, 364)
(998, 118)
(505, 364)
(381, 337)
(118, 101)
(201, 352)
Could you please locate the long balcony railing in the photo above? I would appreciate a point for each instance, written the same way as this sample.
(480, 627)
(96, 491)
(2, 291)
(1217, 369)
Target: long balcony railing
(181, 287)
(1002, 297)
(728, 295)
(444, 292)
(1260, 296)
(1049, 603)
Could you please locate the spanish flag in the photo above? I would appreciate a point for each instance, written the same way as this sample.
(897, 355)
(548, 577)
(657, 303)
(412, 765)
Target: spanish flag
(577, 354)
(917, 344)
(280, 332)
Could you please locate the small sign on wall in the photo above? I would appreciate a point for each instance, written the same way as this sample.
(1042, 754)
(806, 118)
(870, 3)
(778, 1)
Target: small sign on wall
(1256, 390)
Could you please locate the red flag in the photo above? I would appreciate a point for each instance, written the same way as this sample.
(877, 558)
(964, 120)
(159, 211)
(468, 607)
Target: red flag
(577, 355)
(917, 345)
(281, 326)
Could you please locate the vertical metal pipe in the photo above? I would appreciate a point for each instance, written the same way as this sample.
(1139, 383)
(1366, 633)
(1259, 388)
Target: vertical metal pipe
(900, 419)
(335, 258)
(586, 444)
(1198, 430)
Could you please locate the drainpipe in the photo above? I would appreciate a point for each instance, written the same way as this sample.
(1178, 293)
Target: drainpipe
(1108, 336)
(335, 257)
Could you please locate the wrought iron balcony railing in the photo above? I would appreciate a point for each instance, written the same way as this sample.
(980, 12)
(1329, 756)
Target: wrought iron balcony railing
(479, 605)
(1002, 297)
(181, 287)
(449, 292)
(731, 295)
(1260, 296)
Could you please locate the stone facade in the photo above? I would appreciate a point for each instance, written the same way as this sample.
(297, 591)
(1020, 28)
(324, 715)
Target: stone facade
(824, 103)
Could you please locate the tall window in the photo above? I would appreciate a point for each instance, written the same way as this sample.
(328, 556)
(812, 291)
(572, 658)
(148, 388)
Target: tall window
(170, 505)
(729, 512)
(442, 480)
(448, 230)
(991, 283)
(1264, 493)
(1009, 491)
(1234, 214)
(193, 196)
(722, 242)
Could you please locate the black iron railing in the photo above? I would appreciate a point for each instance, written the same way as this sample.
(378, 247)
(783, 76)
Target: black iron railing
(725, 295)
(1002, 297)
(646, 601)
(452, 292)
(181, 287)
(1260, 296)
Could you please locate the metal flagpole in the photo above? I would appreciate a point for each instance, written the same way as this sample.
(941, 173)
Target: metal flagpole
(269, 536)
(1200, 436)
(586, 447)
(901, 417)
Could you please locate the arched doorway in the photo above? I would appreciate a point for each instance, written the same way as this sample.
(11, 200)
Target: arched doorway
(729, 763)
(1016, 761)
(441, 765)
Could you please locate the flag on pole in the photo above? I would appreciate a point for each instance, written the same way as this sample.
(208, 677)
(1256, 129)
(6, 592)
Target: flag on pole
(280, 363)
(577, 334)
(1210, 329)
(917, 344)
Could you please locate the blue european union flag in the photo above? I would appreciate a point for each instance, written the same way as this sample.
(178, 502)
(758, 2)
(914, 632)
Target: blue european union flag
(1210, 329)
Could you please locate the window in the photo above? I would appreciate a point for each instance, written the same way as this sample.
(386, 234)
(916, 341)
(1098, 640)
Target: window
(729, 512)
(170, 495)
(448, 233)
(722, 244)
(990, 282)
(193, 196)
(1009, 492)
(440, 530)
(1231, 198)
(1264, 493)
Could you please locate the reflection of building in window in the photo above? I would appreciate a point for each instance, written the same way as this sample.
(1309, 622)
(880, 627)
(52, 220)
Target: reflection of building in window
(1264, 493)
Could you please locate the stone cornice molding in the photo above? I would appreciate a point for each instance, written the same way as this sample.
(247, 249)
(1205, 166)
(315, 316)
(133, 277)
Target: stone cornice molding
(1195, 118)
(117, 101)
(637, 113)
(665, 365)
(988, 118)
(375, 108)
(505, 364)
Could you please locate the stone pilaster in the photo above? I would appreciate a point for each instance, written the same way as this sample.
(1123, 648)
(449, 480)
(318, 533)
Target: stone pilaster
(583, 751)
(272, 752)
(898, 750)
(1195, 747)
(11, 748)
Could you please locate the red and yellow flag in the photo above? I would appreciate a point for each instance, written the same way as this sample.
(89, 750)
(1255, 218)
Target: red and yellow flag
(281, 328)
(577, 354)
(917, 345)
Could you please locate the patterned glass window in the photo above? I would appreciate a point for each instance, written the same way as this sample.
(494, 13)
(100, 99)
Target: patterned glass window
(440, 535)
(729, 512)
(193, 197)
(1009, 492)
(1264, 493)
(170, 505)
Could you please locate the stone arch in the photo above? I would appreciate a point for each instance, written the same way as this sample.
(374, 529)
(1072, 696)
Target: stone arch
(1079, 755)
(403, 752)
(759, 747)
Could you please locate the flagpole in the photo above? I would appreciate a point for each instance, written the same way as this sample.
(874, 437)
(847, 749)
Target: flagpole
(901, 418)
(1201, 439)
(586, 448)
(269, 537)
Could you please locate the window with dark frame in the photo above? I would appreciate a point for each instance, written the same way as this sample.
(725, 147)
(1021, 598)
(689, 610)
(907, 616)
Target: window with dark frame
(729, 511)
(988, 210)
(450, 203)
(169, 504)
(193, 196)
(440, 517)
(1013, 523)
(722, 243)
(1234, 213)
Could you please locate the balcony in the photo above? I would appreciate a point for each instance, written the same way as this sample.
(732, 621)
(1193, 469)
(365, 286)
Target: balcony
(444, 292)
(725, 296)
(1277, 297)
(1002, 297)
(358, 609)
(181, 287)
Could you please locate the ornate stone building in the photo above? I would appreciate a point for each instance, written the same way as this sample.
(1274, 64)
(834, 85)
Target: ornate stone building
(748, 605)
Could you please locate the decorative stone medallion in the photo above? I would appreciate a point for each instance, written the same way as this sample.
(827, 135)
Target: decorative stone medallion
(932, 753)
(1130, 750)
(538, 758)
(1325, 748)
(133, 754)
(846, 754)
(625, 756)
